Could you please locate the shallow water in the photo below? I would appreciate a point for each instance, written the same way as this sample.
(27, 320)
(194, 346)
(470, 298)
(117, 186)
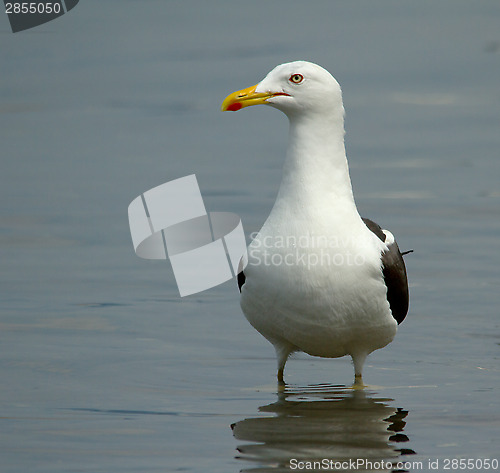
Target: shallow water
(105, 368)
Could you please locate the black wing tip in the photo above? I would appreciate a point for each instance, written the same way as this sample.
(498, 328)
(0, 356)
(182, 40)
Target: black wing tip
(241, 278)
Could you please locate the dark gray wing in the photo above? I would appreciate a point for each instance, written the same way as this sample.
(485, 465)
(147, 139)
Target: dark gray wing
(395, 278)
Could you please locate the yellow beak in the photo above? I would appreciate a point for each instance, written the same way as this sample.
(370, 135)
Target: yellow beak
(245, 98)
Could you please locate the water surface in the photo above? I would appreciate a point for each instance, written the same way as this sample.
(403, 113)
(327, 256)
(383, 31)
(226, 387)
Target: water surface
(105, 368)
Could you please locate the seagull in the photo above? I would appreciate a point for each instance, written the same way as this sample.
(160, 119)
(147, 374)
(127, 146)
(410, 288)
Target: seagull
(317, 277)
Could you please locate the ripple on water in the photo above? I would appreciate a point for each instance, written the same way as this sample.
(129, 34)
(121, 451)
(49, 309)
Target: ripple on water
(312, 423)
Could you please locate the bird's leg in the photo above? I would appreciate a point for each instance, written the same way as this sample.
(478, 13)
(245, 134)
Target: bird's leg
(358, 360)
(282, 353)
(358, 382)
(280, 375)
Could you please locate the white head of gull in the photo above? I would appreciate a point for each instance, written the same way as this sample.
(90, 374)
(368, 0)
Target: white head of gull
(319, 278)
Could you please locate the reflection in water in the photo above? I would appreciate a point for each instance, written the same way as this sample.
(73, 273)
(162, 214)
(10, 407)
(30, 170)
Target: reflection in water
(322, 422)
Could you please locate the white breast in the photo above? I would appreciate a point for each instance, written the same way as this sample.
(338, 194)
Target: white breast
(323, 293)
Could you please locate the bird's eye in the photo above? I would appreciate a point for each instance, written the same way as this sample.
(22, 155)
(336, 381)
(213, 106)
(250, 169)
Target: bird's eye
(296, 78)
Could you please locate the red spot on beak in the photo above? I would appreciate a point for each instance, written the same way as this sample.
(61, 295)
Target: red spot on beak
(234, 107)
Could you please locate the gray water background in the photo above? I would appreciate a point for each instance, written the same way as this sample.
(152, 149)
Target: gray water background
(104, 368)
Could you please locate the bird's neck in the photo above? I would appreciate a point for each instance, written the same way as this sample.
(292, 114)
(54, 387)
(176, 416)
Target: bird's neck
(316, 173)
